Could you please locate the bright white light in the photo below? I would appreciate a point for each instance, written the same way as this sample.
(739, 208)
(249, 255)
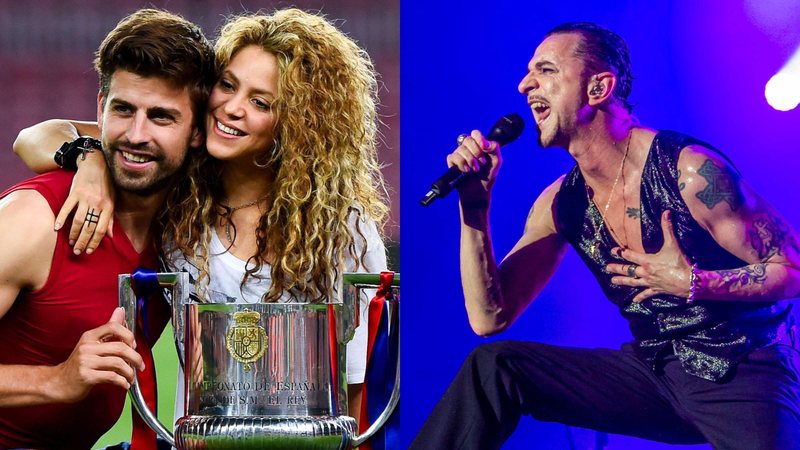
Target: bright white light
(783, 91)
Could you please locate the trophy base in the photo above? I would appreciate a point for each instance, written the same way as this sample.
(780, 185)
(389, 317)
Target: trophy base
(264, 432)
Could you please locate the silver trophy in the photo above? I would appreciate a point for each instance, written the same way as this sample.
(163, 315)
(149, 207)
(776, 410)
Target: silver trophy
(265, 375)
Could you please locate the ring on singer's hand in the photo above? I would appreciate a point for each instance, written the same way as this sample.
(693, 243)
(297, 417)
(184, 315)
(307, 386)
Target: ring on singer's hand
(92, 217)
(460, 138)
(632, 271)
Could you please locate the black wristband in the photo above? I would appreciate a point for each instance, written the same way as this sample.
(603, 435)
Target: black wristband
(67, 156)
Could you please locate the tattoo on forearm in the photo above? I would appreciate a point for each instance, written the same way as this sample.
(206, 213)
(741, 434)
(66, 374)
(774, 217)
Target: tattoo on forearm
(753, 274)
(681, 184)
(723, 185)
(634, 213)
(769, 236)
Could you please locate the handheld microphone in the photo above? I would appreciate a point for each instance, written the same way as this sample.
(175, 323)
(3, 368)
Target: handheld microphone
(504, 131)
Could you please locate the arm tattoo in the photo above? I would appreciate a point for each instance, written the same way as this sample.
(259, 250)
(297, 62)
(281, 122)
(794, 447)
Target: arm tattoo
(681, 184)
(769, 236)
(722, 186)
(753, 274)
(634, 213)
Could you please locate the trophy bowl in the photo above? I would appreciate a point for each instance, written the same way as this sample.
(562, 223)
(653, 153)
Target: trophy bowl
(259, 375)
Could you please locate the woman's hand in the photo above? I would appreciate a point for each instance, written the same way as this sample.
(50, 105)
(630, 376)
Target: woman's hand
(92, 199)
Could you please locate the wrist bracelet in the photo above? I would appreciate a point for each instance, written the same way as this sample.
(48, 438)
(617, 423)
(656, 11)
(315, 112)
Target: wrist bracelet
(692, 284)
(67, 156)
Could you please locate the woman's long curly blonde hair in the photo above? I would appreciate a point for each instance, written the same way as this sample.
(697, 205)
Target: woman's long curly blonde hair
(325, 165)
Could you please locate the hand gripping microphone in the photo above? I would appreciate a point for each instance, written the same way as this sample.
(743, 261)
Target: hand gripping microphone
(506, 129)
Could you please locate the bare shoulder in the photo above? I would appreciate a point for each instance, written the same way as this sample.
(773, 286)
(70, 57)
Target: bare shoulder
(694, 156)
(550, 191)
(25, 204)
(738, 218)
(711, 186)
(27, 238)
(708, 181)
(541, 216)
(548, 195)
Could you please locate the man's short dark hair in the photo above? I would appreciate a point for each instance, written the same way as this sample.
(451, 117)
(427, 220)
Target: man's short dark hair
(602, 50)
(155, 43)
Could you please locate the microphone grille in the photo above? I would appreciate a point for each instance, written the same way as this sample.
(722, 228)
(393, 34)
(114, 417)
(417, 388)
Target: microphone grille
(507, 129)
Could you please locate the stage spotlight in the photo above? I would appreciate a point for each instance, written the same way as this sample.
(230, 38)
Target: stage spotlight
(783, 91)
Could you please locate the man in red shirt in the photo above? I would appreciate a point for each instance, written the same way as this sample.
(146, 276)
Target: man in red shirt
(67, 359)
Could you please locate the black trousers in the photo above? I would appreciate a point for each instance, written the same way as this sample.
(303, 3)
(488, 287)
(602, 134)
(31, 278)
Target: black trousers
(758, 407)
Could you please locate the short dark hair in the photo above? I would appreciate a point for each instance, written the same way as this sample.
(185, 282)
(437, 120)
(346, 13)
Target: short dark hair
(155, 43)
(602, 50)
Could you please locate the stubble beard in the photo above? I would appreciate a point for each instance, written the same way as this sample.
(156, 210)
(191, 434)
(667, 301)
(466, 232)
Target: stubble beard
(548, 134)
(544, 139)
(141, 184)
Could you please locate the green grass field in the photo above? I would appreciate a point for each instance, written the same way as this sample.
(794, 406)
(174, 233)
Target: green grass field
(167, 371)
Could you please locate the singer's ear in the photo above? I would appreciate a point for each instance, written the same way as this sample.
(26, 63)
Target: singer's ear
(600, 88)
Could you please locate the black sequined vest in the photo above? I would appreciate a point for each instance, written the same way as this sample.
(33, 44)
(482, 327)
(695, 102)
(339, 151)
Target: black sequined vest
(708, 337)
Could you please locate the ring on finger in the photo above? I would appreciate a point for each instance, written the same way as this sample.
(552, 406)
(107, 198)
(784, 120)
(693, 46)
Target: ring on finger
(460, 138)
(632, 271)
(92, 217)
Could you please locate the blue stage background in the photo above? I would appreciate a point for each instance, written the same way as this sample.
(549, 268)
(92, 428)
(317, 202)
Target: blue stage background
(700, 68)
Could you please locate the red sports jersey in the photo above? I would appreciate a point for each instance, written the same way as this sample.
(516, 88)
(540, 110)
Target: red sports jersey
(43, 326)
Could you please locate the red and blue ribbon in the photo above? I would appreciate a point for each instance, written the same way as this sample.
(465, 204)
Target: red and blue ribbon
(381, 369)
(145, 284)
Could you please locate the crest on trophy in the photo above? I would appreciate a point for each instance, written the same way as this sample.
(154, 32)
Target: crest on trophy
(246, 340)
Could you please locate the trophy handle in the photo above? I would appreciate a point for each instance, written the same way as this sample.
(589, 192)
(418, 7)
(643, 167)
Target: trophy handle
(177, 281)
(149, 418)
(392, 309)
